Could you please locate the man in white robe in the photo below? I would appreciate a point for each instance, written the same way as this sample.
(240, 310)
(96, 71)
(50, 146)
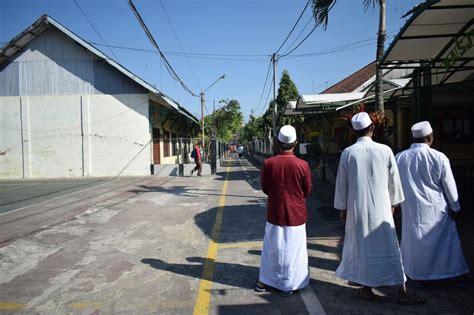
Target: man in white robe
(430, 245)
(367, 188)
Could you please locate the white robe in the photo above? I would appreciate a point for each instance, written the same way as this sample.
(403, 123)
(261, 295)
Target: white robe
(430, 244)
(284, 260)
(367, 185)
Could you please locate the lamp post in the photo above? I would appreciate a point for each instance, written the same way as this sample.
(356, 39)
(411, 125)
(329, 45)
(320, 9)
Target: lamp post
(202, 111)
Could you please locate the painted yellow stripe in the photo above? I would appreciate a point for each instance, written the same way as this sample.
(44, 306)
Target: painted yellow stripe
(204, 294)
(241, 245)
(84, 305)
(11, 306)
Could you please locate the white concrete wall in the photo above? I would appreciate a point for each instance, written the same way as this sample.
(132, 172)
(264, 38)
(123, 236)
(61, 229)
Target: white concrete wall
(74, 136)
(11, 165)
(120, 136)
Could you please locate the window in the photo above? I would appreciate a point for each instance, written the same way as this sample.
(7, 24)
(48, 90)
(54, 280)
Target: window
(166, 143)
(174, 143)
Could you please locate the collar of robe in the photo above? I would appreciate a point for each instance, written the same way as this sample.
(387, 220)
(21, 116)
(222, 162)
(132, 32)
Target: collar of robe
(365, 138)
(286, 153)
(419, 145)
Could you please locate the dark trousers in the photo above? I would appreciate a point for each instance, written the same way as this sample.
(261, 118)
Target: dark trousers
(198, 166)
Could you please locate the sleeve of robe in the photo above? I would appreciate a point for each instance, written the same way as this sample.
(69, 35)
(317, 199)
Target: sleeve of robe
(340, 196)
(449, 185)
(394, 184)
(307, 180)
(263, 183)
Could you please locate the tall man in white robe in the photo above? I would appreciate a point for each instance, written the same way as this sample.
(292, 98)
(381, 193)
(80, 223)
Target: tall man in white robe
(367, 188)
(430, 245)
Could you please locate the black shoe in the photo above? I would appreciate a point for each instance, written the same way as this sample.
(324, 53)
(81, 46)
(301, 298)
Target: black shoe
(259, 286)
(286, 293)
(199, 175)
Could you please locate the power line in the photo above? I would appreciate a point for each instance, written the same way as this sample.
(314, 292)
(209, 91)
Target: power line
(293, 28)
(92, 25)
(264, 87)
(299, 35)
(169, 68)
(179, 53)
(181, 46)
(268, 95)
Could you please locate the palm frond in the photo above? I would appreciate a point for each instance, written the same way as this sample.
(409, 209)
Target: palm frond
(321, 10)
(367, 4)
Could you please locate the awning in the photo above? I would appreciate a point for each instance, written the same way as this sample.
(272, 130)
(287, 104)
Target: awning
(439, 35)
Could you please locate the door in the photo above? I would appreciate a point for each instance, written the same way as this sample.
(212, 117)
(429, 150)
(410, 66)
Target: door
(156, 146)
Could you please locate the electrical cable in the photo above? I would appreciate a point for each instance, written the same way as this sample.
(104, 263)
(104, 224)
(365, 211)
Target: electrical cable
(168, 66)
(264, 87)
(293, 28)
(179, 42)
(92, 25)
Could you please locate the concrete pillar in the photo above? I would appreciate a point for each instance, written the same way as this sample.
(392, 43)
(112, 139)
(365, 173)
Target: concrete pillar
(25, 136)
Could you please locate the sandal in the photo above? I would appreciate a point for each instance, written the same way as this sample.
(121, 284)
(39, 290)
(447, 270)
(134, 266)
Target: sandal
(258, 286)
(366, 293)
(411, 299)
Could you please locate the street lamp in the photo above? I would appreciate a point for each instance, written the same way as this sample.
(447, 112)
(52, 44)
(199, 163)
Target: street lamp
(202, 111)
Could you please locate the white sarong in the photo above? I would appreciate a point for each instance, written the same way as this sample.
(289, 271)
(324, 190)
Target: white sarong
(284, 261)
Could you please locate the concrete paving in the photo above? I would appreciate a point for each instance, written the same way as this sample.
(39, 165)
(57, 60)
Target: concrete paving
(169, 245)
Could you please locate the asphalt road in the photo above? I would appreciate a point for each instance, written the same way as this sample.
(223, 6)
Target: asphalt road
(169, 245)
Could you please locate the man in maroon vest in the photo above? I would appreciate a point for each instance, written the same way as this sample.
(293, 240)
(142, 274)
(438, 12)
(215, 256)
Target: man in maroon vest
(286, 180)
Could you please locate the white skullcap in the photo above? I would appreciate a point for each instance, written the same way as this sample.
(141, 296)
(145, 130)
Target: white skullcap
(287, 134)
(421, 129)
(361, 121)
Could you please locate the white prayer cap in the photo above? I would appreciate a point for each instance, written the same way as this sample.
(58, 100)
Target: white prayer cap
(361, 121)
(287, 134)
(421, 129)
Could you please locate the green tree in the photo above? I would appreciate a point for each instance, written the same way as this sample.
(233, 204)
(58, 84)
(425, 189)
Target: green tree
(321, 10)
(287, 91)
(226, 121)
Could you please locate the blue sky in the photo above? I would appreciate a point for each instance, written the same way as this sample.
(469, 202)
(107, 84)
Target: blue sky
(204, 39)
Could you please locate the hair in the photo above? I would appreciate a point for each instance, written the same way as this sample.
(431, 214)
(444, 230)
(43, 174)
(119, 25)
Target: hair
(363, 132)
(422, 139)
(286, 146)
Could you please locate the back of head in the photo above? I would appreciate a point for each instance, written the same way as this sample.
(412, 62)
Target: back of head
(420, 131)
(287, 137)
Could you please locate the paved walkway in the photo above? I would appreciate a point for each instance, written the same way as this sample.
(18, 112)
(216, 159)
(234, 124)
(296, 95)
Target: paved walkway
(174, 245)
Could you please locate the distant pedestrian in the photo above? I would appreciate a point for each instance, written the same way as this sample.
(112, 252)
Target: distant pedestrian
(286, 180)
(430, 245)
(367, 188)
(196, 154)
(240, 150)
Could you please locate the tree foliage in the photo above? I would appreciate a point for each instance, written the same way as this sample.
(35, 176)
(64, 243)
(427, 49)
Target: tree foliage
(259, 127)
(226, 121)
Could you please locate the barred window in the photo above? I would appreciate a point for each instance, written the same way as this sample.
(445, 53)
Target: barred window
(166, 143)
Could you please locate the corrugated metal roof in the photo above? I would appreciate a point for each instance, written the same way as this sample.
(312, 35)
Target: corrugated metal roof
(19, 42)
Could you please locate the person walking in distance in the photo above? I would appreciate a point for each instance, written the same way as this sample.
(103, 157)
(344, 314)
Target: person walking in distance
(367, 188)
(196, 154)
(286, 180)
(430, 245)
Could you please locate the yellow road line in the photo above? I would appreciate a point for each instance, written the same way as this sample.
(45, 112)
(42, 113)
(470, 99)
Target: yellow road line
(204, 294)
(240, 245)
(84, 305)
(11, 306)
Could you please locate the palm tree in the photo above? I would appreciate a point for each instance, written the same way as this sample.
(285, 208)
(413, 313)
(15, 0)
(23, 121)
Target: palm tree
(321, 10)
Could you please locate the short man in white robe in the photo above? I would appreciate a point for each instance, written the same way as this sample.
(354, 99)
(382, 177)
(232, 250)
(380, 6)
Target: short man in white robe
(286, 180)
(430, 245)
(367, 188)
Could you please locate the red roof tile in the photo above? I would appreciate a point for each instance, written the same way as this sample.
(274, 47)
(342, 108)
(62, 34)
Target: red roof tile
(353, 81)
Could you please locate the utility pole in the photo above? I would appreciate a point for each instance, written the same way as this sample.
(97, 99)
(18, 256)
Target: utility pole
(202, 120)
(275, 110)
(202, 112)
